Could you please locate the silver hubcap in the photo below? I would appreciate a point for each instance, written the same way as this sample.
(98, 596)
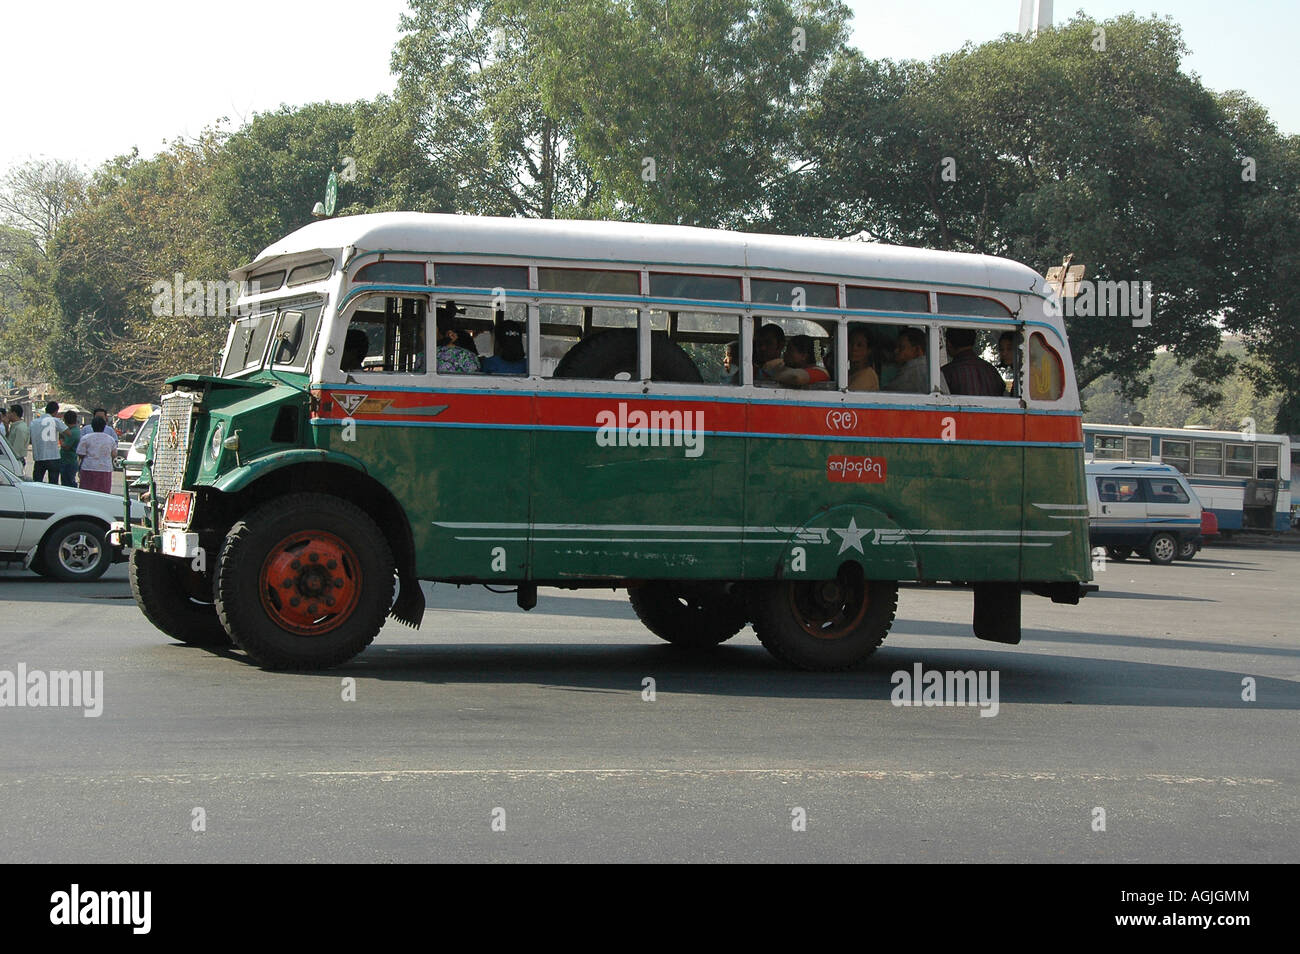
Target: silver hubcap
(1164, 549)
(79, 552)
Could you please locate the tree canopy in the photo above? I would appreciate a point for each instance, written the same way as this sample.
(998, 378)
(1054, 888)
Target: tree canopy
(1088, 140)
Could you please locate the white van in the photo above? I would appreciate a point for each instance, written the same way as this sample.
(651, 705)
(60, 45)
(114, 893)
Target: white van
(1142, 508)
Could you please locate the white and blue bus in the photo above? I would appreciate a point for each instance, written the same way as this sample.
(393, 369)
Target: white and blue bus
(1243, 478)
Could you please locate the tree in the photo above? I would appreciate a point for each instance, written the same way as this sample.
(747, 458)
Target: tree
(685, 112)
(1087, 140)
(144, 221)
(467, 75)
(35, 198)
(268, 176)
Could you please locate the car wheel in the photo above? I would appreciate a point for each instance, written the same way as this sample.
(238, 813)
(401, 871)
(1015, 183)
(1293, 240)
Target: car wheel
(304, 582)
(1119, 554)
(1187, 550)
(1162, 549)
(76, 552)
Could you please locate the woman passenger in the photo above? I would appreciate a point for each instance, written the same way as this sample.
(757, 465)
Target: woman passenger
(862, 375)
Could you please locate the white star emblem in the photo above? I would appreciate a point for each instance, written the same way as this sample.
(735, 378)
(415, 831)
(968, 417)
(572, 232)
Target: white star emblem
(851, 537)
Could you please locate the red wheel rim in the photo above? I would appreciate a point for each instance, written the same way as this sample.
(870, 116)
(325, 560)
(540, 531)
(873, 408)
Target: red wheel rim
(828, 610)
(310, 582)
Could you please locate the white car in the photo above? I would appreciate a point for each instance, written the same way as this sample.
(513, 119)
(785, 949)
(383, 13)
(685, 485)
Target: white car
(60, 532)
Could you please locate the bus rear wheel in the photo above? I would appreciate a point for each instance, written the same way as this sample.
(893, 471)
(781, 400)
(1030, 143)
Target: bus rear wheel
(304, 582)
(690, 615)
(175, 599)
(826, 625)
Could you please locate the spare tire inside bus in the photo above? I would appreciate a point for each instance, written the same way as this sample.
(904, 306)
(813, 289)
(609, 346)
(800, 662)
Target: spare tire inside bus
(612, 354)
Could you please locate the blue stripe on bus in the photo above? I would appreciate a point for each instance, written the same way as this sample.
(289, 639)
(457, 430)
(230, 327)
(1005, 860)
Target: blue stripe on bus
(635, 391)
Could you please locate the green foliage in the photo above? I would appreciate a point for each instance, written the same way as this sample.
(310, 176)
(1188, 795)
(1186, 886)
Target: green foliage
(1169, 401)
(1058, 147)
(755, 116)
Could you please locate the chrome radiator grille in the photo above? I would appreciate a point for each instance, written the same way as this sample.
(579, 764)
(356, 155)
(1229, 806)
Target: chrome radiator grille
(172, 442)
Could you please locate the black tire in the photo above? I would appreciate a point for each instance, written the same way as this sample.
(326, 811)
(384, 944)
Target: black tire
(304, 582)
(1187, 549)
(176, 599)
(826, 625)
(76, 552)
(1119, 554)
(690, 615)
(608, 354)
(1162, 549)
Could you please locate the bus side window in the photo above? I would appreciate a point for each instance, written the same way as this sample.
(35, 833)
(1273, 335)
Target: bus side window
(394, 329)
(1046, 370)
(710, 339)
(564, 326)
(973, 356)
(487, 339)
(807, 355)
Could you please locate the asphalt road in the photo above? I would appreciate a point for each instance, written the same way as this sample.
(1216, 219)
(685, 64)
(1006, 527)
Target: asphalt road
(538, 724)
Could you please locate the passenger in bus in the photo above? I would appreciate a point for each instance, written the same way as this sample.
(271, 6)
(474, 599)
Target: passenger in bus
(731, 364)
(800, 367)
(508, 344)
(1008, 346)
(967, 372)
(913, 366)
(355, 347)
(862, 373)
(769, 342)
(456, 350)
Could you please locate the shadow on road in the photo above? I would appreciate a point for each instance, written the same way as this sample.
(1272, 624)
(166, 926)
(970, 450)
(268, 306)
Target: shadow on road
(742, 668)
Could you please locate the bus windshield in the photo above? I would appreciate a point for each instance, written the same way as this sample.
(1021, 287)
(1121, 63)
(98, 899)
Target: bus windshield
(294, 324)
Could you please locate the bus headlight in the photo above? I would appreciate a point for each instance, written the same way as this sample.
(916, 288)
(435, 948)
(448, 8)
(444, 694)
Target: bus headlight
(214, 449)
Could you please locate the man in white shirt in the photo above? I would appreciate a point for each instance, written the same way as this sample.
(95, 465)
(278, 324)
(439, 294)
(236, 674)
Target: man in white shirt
(45, 444)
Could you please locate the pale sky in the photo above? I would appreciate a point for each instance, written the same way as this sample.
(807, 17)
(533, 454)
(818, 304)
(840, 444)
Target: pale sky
(85, 81)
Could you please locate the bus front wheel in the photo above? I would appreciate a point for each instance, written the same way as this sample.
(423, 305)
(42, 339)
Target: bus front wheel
(690, 615)
(828, 624)
(176, 599)
(304, 582)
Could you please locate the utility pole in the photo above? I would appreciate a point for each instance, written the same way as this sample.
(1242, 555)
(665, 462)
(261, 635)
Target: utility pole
(1035, 15)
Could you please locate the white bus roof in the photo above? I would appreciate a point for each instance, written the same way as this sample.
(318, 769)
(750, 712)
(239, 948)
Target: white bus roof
(666, 245)
(1194, 433)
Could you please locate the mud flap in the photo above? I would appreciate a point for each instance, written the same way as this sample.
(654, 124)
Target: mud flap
(997, 612)
(408, 608)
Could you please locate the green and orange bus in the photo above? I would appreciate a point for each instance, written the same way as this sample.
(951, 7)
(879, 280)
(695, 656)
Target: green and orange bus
(637, 433)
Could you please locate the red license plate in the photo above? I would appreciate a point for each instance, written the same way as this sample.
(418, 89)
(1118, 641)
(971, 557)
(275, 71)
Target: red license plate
(180, 504)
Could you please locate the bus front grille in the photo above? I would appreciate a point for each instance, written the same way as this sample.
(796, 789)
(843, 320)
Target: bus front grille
(172, 442)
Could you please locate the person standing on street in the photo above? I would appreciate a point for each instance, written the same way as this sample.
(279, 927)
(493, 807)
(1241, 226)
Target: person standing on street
(18, 437)
(98, 414)
(96, 452)
(68, 441)
(45, 444)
